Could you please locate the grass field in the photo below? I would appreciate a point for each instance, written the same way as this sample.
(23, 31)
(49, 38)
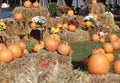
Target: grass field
(84, 49)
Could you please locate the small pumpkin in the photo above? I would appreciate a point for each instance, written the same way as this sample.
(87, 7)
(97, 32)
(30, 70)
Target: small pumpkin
(22, 44)
(88, 24)
(101, 40)
(33, 25)
(85, 61)
(94, 1)
(2, 46)
(6, 56)
(25, 51)
(64, 49)
(16, 49)
(98, 50)
(71, 28)
(37, 47)
(108, 47)
(116, 45)
(18, 16)
(116, 67)
(59, 25)
(110, 57)
(70, 13)
(113, 37)
(27, 4)
(36, 4)
(95, 37)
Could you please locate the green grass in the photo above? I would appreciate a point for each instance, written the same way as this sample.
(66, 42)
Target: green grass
(84, 49)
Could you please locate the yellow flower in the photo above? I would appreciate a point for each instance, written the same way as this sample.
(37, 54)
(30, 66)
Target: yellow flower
(2, 25)
(54, 30)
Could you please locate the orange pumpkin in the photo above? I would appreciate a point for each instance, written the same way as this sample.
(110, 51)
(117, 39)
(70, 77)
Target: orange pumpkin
(37, 47)
(51, 44)
(108, 47)
(113, 37)
(55, 36)
(18, 16)
(98, 50)
(27, 4)
(59, 25)
(101, 40)
(71, 28)
(98, 64)
(25, 51)
(33, 25)
(36, 4)
(85, 61)
(70, 13)
(95, 37)
(116, 67)
(94, 1)
(6, 56)
(22, 44)
(16, 49)
(88, 24)
(110, 57)
(64, 49)
(116, 45)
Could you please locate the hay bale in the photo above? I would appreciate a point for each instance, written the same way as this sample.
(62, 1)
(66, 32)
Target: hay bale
(29, 13)
(96, 8)
(78, 35)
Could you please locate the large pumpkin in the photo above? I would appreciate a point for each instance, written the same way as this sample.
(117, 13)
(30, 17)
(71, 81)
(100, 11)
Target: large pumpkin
(51, 44)
(27, 4)
(55, 36)
(116, 67)
(98, 64)
(64, 49)
(6, 56)
(16, 49)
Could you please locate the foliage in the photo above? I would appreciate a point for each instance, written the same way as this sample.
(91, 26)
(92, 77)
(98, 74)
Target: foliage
(52, 9)
(29, 46)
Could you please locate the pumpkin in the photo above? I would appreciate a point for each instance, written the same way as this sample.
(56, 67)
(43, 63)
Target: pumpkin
(88, 24)
(33, 25)
(71, 28)
(64, 49)
(6, 56)
(94, 1)
(51, 44)
(36, 4)
(85, 61)
(59, 25)
(98, 64)
(116, 67)
(113, 37)
(110, 57)
(22, 44)
(18, 16)
(70, 13)
(95, 37)
(27, 4)
(2, 46)
(37, 47)
(101, 40)
(16, 49)
(55, 36)
(108, 47)
(116, 45)
(25, 51)
(98, 50)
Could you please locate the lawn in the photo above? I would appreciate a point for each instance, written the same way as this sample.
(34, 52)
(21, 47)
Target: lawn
(84, 49)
